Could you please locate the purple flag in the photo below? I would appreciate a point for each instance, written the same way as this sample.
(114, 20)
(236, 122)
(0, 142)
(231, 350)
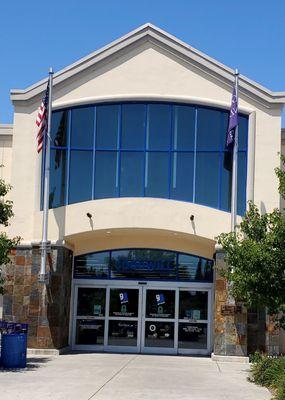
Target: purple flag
(233, 120)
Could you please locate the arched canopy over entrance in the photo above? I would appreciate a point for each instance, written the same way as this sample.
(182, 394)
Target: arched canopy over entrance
(100, 240)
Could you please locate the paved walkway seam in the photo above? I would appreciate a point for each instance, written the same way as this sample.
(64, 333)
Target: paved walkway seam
(112, 377)
(219, 369)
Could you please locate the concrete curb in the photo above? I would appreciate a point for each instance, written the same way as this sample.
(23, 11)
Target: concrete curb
(48, 352)
(238, 359)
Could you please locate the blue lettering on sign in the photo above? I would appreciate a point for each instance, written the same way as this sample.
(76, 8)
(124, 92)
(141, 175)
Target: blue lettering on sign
(150, 265)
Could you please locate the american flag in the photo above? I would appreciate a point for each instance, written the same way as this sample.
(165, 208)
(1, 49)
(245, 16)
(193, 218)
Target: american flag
(42, 120)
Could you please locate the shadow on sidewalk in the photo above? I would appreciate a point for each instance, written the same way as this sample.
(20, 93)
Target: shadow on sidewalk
(33, 363)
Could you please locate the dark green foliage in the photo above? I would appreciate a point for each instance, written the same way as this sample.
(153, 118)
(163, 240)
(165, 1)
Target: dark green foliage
(255, 357)
(256, 260)
(280, 172)
(270, 372)
(280, 391)
(6, 213)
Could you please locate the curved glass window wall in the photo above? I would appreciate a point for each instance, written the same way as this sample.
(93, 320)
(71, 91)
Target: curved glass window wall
(172, 151)
(146, 264)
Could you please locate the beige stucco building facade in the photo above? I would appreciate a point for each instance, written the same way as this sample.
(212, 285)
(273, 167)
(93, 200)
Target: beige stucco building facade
(146, 66)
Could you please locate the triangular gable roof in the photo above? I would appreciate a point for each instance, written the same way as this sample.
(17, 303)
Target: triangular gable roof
(149, 32)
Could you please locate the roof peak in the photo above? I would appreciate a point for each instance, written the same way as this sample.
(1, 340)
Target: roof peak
(149, 31)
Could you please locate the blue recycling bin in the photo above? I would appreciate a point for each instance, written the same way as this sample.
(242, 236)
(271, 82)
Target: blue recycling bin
(14, 350)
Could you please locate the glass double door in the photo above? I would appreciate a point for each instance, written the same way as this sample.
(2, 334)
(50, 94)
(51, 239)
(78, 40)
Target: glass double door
(147, 319)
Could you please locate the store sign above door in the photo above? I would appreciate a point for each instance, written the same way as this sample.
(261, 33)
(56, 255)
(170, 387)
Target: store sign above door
(143, 265)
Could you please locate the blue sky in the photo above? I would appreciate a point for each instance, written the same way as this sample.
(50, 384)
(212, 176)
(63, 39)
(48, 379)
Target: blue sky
(247, 34)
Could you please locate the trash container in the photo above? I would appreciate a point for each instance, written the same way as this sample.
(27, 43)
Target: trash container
(14, 350)
(14, 346)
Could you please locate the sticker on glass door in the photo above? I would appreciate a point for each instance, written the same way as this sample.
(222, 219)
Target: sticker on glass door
(159, 318)
(123, 317)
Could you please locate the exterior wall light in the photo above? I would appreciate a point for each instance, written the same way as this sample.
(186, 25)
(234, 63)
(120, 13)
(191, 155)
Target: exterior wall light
(89, 215)
(192, 217)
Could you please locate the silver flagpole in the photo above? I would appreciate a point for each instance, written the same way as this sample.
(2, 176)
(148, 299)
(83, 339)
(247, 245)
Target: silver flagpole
(235, 168)
(45, 242)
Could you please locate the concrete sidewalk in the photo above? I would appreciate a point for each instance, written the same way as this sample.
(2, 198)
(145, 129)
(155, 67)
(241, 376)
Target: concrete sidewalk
(128, 377)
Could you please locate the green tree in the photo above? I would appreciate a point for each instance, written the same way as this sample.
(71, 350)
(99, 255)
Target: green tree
(280, 172)
(255, 257)
(6, 244)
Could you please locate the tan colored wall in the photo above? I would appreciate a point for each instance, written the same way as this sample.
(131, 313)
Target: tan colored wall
(147, 72)
(144, 213)
(6, 140)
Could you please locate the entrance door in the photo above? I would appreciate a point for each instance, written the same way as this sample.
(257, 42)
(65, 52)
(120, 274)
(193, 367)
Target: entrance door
(159, 333)
(149, 318)
(124, 319)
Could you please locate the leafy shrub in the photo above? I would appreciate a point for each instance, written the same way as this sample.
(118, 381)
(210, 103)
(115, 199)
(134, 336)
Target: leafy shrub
(255, 357)
(280, 389)
(270, 372)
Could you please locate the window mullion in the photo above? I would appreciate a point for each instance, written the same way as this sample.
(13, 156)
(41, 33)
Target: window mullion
(68, 156)
(220, 165)
(169, 150)
(118, 164)
(145, 148)
(94, 152)
(195, 154)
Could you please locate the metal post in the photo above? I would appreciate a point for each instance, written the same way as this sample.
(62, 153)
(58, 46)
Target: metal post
(235, 168)
(45, 243)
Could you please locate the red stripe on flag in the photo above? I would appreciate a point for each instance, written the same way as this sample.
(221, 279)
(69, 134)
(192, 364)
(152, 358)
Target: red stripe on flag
(41, 120)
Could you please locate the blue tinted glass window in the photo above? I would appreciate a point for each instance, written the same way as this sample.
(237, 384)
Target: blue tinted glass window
(207, 179)
(146, 149)
(209, 129)
(58, 174)
(132, 166)
(194, 268)
(226, 181)
(182, 176)
(59, 125)
(133, 126)
(106, 179)
(242, 167)
(107, 119)
(94, 265)
(80, 179)
(82, 127)
(184, 128)
(143, 264)
(158, 127)
(157, 174)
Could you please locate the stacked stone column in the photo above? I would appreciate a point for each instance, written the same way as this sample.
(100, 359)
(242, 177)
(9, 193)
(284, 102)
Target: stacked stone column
(230, 319)
(46, 308)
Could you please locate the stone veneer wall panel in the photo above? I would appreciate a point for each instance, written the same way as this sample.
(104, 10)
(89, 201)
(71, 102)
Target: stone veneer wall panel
(45, 308)
(230, 333)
